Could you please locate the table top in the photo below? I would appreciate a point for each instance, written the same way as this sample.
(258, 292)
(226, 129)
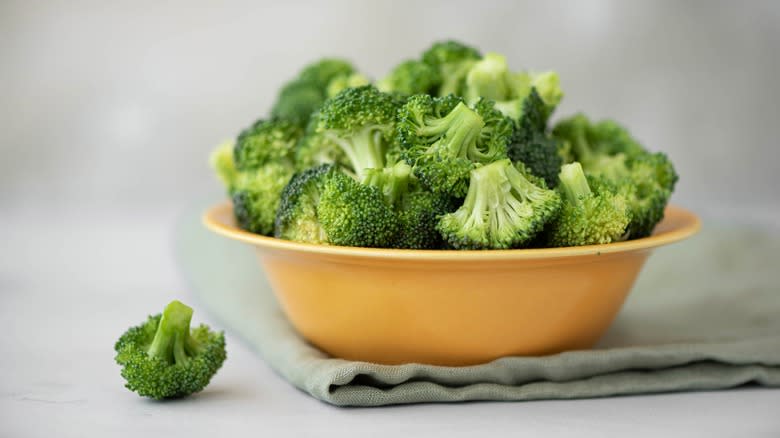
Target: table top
(69, 289)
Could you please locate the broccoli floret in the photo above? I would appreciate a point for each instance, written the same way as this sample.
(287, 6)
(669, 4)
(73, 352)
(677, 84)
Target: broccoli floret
(417, 210)
(340, 83)
(221, 161)
(361, 121)
(532, 145)
(314, 149)
(266, 141)
(588, 216)
(164, 358)
(296, 217)
(490, 78)
(443, 140)
(452, 60)
(502, 210)
(411, 77)
(256, 196)
(606, 149)
(355, 214)
(300, 97)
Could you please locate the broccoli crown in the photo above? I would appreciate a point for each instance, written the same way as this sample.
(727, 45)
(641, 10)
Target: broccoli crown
(163, 358)
(340, 83)
(361, 122)
(452, 60)
(489, 78)
(355, 214)
(606, 149)
(411, 77)
(266, 141)
(300, 97)
(256, 196)
(325, 70)
(532, 145)
(502, 209)
(221, 161)
(587, 217)
(443, 139)
(296, 217)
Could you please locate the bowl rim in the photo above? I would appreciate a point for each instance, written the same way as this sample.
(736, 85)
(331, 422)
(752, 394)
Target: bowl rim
(684, 223)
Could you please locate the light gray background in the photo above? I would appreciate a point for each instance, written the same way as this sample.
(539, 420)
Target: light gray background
(109, 109)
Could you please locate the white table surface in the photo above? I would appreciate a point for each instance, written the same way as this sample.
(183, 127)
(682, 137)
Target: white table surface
(71, 283)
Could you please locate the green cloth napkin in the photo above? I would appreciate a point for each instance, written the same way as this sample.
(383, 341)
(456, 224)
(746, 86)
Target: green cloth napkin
(704, 314)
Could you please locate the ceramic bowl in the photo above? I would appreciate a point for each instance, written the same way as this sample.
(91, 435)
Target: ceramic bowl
(453, 308)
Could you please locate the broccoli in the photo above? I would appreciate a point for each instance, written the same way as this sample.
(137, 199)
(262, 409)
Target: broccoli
(411, 77)
(417, 210)
(490, 78)
(256, 196)
(502, 209)
(361, 121)
(314, 149)
(266, 141)
(452, 60)
(443, 140)
(590, 214)
(300, 97)
(163, 358)
(606, 149)
(221, 161)
(296, 217)
(532, 145)
(340, 83)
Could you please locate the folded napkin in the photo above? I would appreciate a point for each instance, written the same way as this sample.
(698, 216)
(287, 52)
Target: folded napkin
(704, 314)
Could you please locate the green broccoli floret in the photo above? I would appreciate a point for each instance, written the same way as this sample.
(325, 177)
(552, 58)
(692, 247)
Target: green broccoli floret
(266, 141)
(164, 358)
(443, 139)
(606, 149)
(588, 216)
(340, 83)
(361, 121)
(256, 196)
(452, 60)
(532, 145)
(300, 97)
(502, 210)
(411, 77)
(314, 149)
(296, 217)
(490, 78)
(221, 161)
(355, 214)
(417, 210)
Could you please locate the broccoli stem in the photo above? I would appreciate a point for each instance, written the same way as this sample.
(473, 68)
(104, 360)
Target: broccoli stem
(393, 181)
(172, 342)
(458, 132)
(365, 149)
(574, 183)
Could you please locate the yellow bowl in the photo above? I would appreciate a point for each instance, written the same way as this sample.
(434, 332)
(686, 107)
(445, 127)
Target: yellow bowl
(395, 306)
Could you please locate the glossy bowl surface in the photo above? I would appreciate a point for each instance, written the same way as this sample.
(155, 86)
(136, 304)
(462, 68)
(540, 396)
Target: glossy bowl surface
(451, 307)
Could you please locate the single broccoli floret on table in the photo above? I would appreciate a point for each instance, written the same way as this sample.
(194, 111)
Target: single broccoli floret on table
(452, 60)
(257, 194)
(588, 215)
(417, 210)
(502, 210)
(163, 358)
(411, 77)
(221, 160)
(355, 214)
(300, 97)
(296, 217)
(606, 149)
(443, 139)
(361, 121)
(532, 145)
(266, 141)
